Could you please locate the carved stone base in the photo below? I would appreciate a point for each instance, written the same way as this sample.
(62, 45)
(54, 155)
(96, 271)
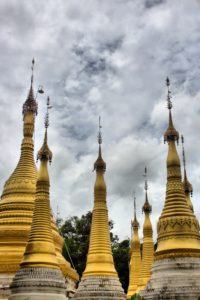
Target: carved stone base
(38, 284)
(100, 288)
(174, 279)
(6, 280)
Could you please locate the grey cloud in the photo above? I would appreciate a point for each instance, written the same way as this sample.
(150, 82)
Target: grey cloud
(107, 58)
(152, 3)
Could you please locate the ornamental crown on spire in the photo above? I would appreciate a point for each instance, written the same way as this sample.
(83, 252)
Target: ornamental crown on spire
(146, 207)
(99, 164)
(45, 153)
(171, 134)
(30, 105)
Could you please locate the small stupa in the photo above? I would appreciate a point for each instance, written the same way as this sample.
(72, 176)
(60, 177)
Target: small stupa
(135, 260)
(100, 280)
(148, 245)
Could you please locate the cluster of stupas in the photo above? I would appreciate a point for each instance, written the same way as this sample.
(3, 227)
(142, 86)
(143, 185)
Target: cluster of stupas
(31, 263)
(141, 261)
(21, 192)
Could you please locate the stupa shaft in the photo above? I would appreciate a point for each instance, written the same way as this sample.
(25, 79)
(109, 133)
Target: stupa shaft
(100, 280)
(135, 260)
(148, 245)
(99, 259)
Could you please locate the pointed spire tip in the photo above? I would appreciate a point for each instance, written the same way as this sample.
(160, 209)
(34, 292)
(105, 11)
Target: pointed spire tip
(169, 102)
(134, 204)
(32, 68)
(146, 207)
(135, 223)
(45, 153)
(171, 133)
(167, 81)
(99, 164)
(30, 105)
(145, 181)
(100, 133)
(183, 152)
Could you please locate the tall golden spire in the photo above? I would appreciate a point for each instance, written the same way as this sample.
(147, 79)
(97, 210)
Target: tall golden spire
(26, 166)
(100, 259)
(100, 279)
(40, 249)
(39, 275)
(135, 261)
(17, 201)
(148, 245)
(178, 228)
(186, 184)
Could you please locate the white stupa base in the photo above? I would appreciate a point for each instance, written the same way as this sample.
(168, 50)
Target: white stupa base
(38, 284)
(100, 288)
(175, 278)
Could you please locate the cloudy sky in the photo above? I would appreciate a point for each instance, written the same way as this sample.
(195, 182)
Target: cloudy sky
(107, 58)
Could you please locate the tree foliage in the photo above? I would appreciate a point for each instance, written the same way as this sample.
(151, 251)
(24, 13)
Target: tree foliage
(76, 233)
(121, 252)
(136, 297)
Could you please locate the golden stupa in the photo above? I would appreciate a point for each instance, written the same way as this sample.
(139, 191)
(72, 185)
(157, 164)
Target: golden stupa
(176, 269)
(178, 228)
(17, 203)
(39, 276)
(148, 245)
(100, 279)
(135, 260)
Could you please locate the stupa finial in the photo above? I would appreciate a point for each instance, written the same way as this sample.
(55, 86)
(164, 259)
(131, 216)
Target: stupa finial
(170, 134)
(30, 105)
(134, 203)
(146, 207)
(135, 223)
(183, 152)
(32, 69)
(169, 102)
(45, 153)
(99, 164)
(100, 133)
(145, 179)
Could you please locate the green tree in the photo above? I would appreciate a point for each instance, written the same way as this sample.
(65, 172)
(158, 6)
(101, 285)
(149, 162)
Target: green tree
(76, 232)
(136, 297)
(121, 252)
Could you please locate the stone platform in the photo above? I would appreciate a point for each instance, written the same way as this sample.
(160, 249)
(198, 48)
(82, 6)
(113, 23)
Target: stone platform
(38, 284)
(100, 288)
(174, 279)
